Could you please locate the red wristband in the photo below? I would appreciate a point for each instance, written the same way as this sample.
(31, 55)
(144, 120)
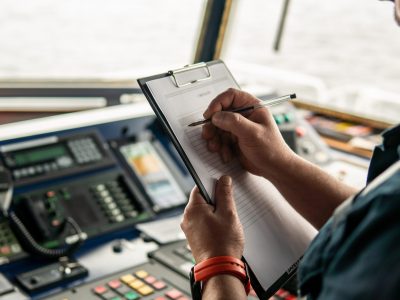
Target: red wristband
(222, 265)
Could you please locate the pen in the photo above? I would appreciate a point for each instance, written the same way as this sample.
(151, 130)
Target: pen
(266, 103)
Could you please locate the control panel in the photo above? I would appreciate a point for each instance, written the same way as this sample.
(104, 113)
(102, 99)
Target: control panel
(104, 180)
(299, 135)
(147, 281)
(98, 204)
(54, 156)
(108, 178)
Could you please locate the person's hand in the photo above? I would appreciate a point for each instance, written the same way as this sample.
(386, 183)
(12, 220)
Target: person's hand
(254, 138)
(213, 231)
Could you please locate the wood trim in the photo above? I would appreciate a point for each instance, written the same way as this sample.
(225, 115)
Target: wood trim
(345, 116)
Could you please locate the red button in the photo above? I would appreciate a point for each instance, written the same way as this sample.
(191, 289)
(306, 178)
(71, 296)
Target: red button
(300, 131)
(150, 279)
(114, 284)
(100, 290)
(50, 194)
(5, 250)
(160, 298)
(159, 285)
(183, 298)
(173, 294)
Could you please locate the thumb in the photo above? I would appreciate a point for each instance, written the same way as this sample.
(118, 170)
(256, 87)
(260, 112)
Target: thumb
(234, 123)
(224, 195)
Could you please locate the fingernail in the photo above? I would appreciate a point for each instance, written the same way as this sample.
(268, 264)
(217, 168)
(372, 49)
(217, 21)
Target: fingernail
(226, 180)
(206, 114)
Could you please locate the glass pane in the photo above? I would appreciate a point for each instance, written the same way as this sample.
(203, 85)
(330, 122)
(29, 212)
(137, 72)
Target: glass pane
(339, 53)
(96, 38)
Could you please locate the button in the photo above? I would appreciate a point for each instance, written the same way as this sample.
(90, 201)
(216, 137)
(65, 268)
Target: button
(160, 298)
(142, 274)
(279, 119)
(15, 248)
(300, 131)
(109, 295)
(108, 199)
(100, 289)
(5, 250)
(114, 284)
(159, 285)
(131, 295)
(100, 187)
(136, 284)
(146, 290)
(111, 205)
(150, 279)
(119, 218)
(186, 298)
(104, 193)
(128, 278)
(50, 194)
(123, 289)
(173, 294)
(288, 117)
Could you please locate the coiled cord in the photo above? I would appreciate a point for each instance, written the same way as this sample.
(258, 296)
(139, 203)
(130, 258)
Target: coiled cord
(29, 243)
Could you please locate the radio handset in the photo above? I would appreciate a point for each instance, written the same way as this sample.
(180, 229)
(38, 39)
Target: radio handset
(27, 241)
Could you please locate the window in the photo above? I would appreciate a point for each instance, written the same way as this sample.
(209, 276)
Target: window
(342, 54)
(96, 38)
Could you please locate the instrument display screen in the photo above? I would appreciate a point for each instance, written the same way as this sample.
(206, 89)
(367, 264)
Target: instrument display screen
(155, 176)
(28, 157)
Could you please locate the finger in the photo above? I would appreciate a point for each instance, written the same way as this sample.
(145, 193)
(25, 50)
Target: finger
(195, 198)
(231, 98)
(226, 146)
(224, 195)
(235, 123)
(208, 131)
(214, 144)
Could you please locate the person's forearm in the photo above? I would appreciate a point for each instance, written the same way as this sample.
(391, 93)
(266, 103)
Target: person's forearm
(223, 287)
(310, 190)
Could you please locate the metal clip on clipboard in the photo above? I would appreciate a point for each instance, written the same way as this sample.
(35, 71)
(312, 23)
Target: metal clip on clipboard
(186, 69)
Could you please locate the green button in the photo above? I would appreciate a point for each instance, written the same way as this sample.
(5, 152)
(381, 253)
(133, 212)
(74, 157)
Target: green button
(288, 117)
(131, 296)
(116, 298)
(279, 119)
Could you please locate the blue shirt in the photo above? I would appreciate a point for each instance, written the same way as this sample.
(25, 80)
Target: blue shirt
(356, 254)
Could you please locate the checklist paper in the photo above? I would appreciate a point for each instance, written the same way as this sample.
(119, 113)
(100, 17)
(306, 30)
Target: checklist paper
(276, 236)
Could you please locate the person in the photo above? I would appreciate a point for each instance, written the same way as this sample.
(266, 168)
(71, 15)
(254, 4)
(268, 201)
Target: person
(356, 254)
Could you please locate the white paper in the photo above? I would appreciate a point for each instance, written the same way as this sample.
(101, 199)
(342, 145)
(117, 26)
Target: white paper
(276, 236)
(163, 231)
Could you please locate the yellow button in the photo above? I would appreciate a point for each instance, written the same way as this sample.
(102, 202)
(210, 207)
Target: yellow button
(127, 278)
(145, 290)
(142, 274)
(136, 284)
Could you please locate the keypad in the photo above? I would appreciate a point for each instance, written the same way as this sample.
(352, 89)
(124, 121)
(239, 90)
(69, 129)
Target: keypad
(84, 150)
(115, 201)
(138, 285)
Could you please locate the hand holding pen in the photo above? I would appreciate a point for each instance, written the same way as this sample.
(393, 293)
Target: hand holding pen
(254, 138)
(241, 110)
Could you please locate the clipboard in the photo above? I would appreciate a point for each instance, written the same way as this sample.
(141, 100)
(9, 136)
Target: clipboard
(173, 74)
(181, 82)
